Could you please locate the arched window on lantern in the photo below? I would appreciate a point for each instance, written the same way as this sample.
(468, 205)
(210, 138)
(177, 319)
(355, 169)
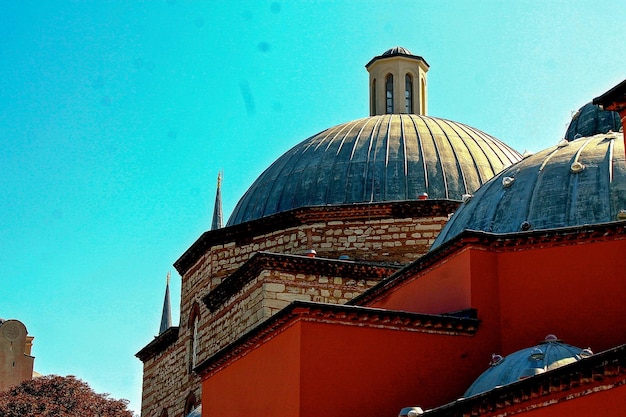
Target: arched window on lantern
(389, 94)
(423, 96)
(408, 94)
(373, 95)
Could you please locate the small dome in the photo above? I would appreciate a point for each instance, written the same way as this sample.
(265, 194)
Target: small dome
(571, 184)
(397, 50)
(377, 159)
(525, 363)
(591, 120)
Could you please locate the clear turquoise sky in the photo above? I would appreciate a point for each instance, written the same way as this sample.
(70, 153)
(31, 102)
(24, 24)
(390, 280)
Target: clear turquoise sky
(116, 116)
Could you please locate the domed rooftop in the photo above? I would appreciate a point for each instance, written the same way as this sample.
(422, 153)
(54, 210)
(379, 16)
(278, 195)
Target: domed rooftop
(590, 120)
(377, 159)
(397, 50)
(571, 184)
(525, 363)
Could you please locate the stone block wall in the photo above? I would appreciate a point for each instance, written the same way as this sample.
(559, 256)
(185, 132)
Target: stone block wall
(265, 295)
(167, 384)
(398, 241)
(376, 238)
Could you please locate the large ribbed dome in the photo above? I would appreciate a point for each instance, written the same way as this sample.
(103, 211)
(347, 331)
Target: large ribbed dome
(571, 184)
(377, 159)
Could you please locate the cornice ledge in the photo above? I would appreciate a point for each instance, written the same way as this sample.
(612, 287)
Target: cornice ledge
(158, 344)
(455, 324)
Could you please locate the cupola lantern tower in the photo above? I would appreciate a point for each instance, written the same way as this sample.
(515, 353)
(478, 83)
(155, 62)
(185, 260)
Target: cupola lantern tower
(397, 83)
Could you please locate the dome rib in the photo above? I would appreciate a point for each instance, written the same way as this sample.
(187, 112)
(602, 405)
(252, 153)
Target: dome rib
(333, 171)
(530, 201)
(475, 150)
(310, 182)
(349, 164)
(374, 159)
(477, 179)
(405, 159)
(357, 178)
(420, 146)
(456, 151)
(439, 162)
(571, 213)
(276, 188)
(370, 165)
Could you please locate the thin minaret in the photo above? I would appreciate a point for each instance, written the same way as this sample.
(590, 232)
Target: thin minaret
(166, 317)
(217, 210)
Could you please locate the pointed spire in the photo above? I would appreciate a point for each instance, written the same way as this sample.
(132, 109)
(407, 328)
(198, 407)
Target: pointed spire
(217, 210)
(166, 317)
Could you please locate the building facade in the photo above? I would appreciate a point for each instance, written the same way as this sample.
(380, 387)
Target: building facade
(533, 258)
(333, 218)
(16, 361)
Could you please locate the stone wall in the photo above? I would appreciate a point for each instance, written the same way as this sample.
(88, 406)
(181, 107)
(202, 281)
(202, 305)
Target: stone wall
(167, 384)
(379, 238)
(265, 295)
(398, 241)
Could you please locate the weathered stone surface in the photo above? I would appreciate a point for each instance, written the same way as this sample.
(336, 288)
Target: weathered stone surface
(361, 236)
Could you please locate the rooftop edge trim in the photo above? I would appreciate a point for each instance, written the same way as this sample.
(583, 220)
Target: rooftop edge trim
(338, 314)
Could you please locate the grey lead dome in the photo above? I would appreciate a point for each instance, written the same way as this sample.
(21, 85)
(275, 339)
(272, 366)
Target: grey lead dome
(590, 120)
(572, 184)
(397, 50)
(377, 159)
(525, 363)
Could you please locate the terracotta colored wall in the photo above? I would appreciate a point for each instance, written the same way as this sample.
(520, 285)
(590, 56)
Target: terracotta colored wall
(445, 288)
(323, 369)
(266, 382)
(572, 291)
(468, 279)
(575, 292)
(353, 370)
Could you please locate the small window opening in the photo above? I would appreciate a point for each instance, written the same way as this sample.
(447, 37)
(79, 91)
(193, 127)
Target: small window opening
(423, 96)
(389, 93)
(373, 110)
(408, 93)
(194, 342)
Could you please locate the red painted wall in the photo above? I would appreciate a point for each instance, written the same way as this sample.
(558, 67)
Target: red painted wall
(571, 291)
(355, 371)
(444, 288)
(322, 369)
(575, 292)
(266, 382)
(468, 279)
(329, 369)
